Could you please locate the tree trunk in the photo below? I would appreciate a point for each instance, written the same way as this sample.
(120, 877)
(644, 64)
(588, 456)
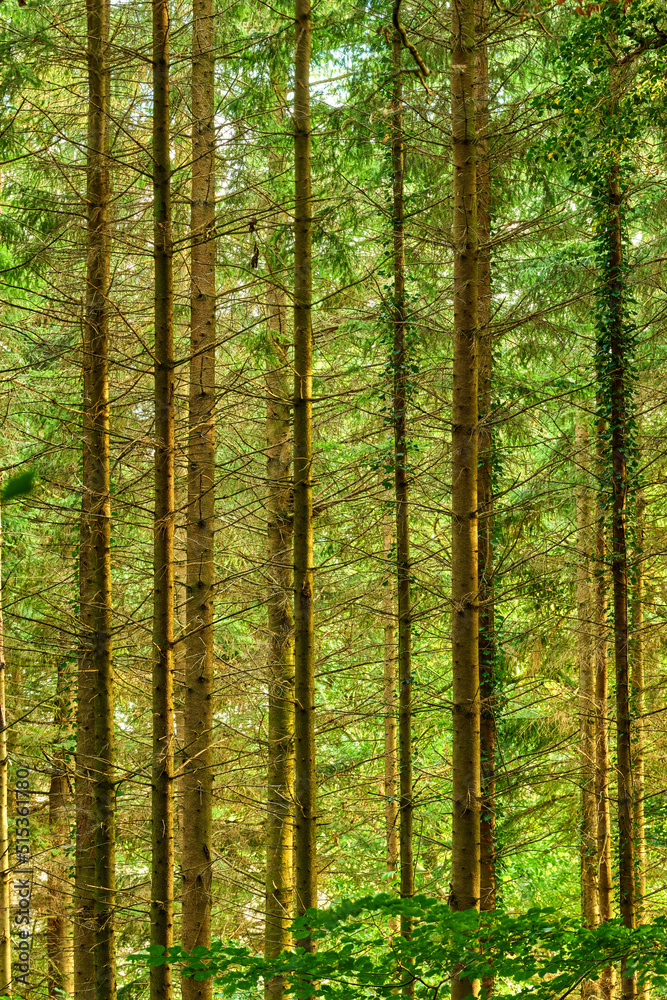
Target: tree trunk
(198, 707)
(5, 857)
(400, 373)
(84, 901)
(391, 771)
(638, 687)
(304, 653)
(94, 960)
(162, 801)
(590, 910)
(59, 923)
(485, 570)
(280, 783)
(465, 891)
(97, 335)
(605, 886)
(618, 419)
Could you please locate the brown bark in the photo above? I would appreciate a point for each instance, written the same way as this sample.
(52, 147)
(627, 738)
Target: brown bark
(59, 922)
(605, 886)
(94, 970)
(485, 503)
(162, 777)
(97, 485)
(84, 902)
(5, 858)
(638, 696)
(590, 909)
(465, 886)
(280, 783)
(391, 772)
(198, 706)
(304, 654)
(618, 419)
(401, 487)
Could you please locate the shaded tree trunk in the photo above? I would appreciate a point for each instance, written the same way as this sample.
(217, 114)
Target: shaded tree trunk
(590, 909)
(305, 829)
(5, 858)
(280, 784)
(605, 886)
(618, 420)
(59, 923)
(401, 487)
(162, 776)
(465, 883)
(198, 705)
(94, 957)
(485, 504)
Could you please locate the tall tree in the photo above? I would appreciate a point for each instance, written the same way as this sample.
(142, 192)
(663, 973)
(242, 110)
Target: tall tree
(604, 870)
(198, 706)
(305, 825)
(639, 706)
(59, 923)
(585, 655)
(465, 891)
(399, 419)
(162, 777)
(94, 942)
(485, 570)
(618, 403)
(280, 785)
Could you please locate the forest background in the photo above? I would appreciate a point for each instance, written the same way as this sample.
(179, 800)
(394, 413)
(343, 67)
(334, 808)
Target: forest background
(272, 279)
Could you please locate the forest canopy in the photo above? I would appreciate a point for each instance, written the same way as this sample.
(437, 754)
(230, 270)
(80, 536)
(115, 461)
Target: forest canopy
(333, 604)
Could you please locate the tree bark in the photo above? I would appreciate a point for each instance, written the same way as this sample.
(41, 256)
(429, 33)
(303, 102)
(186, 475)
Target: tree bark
(618, 419)
(84, 901)
(590, 909)
(391, 771)
(97, 323)
(304, 653)
(162, 777)
(94, 949)
(401, 487)
(465, 890)
(485, 570)
(5, 857)
(198, 706)
(638, 694)
(59, 922)
(605, 886)
(280, 783)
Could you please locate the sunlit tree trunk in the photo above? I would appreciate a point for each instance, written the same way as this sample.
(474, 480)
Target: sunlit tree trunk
(465, 882)
(638, 696)
(198, 704)
(162, 777)
(605, 886)
(391, 773)
(280, 785)
(305, 830)
(59, 922)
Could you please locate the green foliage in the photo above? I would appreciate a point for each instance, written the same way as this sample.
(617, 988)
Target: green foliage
(18, 486)
(540, 952)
